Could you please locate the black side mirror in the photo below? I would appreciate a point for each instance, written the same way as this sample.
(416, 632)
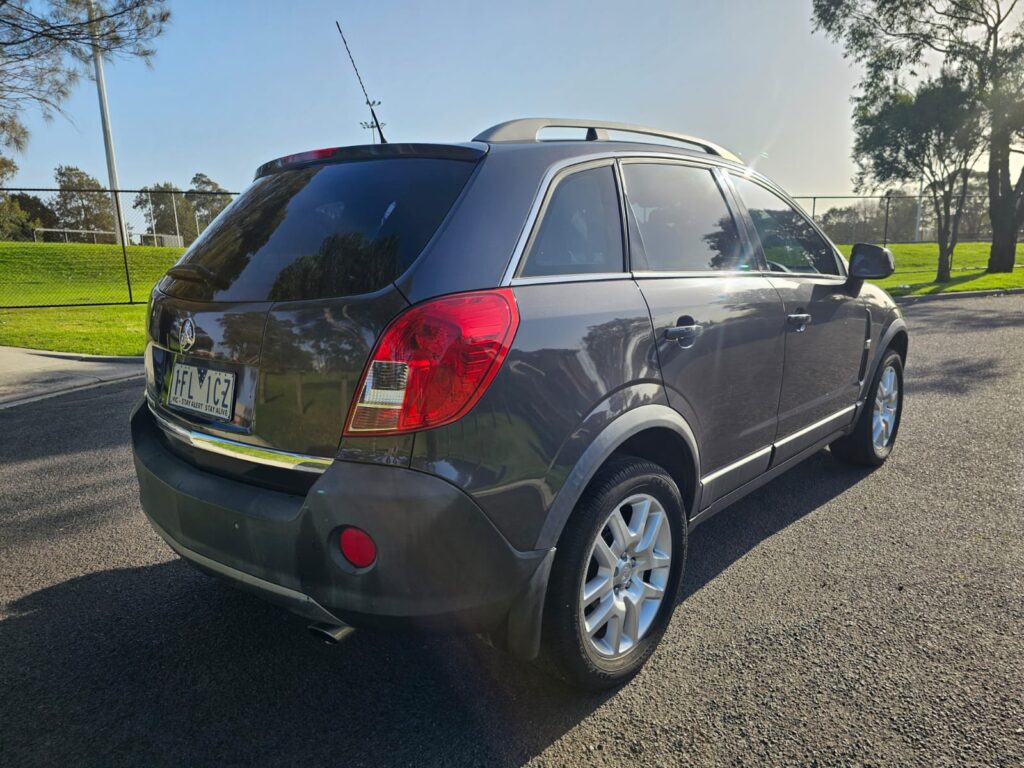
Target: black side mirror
(871, 262)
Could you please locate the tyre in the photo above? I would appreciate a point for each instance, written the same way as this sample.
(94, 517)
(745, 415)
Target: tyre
(874, 435)
(616, 575)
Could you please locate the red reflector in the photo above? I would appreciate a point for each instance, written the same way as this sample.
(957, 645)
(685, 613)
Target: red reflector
(434, 362)
(357, 547)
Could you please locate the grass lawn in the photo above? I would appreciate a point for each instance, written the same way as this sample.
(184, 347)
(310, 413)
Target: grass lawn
(78, 273)
(89, 330)
(54, 273)
(916, 264)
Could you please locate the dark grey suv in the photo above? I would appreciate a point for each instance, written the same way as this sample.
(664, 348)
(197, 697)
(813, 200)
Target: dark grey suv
(491, 386)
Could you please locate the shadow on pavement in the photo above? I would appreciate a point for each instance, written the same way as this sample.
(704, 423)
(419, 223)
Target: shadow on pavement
(161, 665)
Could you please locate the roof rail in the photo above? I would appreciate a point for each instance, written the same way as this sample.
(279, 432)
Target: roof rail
(527, 129)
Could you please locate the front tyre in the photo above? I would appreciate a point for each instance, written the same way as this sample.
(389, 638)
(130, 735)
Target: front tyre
(872, 438)
(616, 575)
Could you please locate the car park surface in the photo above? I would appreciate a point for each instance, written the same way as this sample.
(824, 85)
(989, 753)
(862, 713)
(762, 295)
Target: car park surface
(836, 614)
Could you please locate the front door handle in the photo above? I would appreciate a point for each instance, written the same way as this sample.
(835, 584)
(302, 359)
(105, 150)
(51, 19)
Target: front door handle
(799, 321)
(685, 334)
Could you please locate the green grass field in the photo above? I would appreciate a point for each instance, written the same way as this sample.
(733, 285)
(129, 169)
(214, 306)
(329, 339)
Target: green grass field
(916, 264)
(56, 273)
(76, 273)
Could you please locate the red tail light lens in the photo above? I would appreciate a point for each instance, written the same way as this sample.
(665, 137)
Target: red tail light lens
(434, 362)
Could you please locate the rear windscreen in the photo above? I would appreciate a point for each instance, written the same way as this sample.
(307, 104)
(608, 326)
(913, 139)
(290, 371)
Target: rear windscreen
(321, 231)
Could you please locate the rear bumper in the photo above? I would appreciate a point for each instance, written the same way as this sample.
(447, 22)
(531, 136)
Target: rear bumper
(440, 562)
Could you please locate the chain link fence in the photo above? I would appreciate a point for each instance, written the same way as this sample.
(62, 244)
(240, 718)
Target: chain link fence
(73, 247)
(892, 218)
(68, 247)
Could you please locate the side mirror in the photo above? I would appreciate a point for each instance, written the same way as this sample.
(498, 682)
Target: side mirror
(871, 262)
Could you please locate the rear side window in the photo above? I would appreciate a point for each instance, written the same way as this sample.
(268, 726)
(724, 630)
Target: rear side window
(322, 231)
(581, 230)
(682, 220)
(789, 241)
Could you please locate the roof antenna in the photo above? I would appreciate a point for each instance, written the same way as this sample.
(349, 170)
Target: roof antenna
(369, 103)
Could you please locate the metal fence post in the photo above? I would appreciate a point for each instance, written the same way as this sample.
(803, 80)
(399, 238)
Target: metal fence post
(814, 207)
(152, 216)
(885, 229)
(174, 207)
(124, 248)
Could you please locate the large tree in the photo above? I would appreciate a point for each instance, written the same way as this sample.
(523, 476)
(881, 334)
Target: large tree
(983, 40)
(208, 198)
(934, 133)
(46, 45)
(82, 204)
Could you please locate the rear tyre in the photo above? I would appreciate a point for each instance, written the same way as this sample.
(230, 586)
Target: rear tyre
(615, 579)
(874, 435)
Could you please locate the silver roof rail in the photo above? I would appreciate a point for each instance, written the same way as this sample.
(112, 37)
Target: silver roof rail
(526, 130)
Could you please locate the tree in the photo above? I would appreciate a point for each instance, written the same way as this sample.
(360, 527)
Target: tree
(208, 198)
(983, 40)
(167, 212)
(77, 206)
(15, 222)
(36, 209)
(935, 133)
(46, 45)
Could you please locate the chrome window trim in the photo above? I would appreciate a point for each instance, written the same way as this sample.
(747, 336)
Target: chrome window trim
(578, 277)
(640, 274)
(736, 465)
(816, 425)
(564, 167)
(242, 451)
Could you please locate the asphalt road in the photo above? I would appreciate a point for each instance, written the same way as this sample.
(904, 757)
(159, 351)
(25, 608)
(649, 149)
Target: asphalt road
(836, 616)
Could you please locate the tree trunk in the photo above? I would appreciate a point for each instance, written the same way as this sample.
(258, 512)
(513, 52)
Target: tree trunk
(941, 202)
(1002, 203)
(943, 275)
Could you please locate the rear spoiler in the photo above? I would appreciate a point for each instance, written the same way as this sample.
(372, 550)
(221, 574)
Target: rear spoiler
(461, 152)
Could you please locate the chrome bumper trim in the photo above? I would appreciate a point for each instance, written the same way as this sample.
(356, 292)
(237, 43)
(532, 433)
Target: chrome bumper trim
(243, 451)
(299, 603)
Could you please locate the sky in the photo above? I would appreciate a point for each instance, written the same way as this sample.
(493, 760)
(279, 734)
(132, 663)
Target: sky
(235, 83)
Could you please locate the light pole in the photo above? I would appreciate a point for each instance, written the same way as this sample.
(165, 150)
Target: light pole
(372, 128)
(370, 125)
(108, 138)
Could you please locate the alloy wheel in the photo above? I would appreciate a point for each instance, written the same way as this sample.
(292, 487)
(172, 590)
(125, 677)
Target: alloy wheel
(887, 401)
(624, 583)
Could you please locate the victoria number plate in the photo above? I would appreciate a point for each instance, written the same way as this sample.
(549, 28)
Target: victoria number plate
(205, 391)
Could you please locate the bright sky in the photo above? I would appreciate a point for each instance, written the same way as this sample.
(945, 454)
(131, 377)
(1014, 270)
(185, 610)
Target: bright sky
(239, 82)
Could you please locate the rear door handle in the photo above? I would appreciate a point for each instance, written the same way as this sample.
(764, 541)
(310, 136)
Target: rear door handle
(799, 321)
(684, 333)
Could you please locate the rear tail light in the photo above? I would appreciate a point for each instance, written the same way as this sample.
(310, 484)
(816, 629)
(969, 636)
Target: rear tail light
(434, 362)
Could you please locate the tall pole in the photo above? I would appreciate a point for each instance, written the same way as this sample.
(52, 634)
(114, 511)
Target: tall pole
(108, 138)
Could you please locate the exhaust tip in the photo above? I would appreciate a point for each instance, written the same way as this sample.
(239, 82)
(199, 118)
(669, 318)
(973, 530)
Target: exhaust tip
(332, 634)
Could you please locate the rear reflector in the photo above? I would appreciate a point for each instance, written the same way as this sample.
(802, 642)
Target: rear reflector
(357, 547)
(434, 362)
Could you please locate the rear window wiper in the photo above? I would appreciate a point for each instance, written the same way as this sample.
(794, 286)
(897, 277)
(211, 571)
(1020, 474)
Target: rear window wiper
(196, 273)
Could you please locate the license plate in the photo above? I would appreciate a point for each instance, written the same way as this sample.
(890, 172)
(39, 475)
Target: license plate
(202, 390)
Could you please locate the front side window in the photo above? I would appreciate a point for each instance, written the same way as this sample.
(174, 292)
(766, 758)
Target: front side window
(789, 241)
(683, 221)
(581, 230)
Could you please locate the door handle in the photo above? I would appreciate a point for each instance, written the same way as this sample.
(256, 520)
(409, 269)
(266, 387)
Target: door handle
(684, 333)
(799, 321)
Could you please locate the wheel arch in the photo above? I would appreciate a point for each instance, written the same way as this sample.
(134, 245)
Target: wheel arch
(895, 336)
(654, 432)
